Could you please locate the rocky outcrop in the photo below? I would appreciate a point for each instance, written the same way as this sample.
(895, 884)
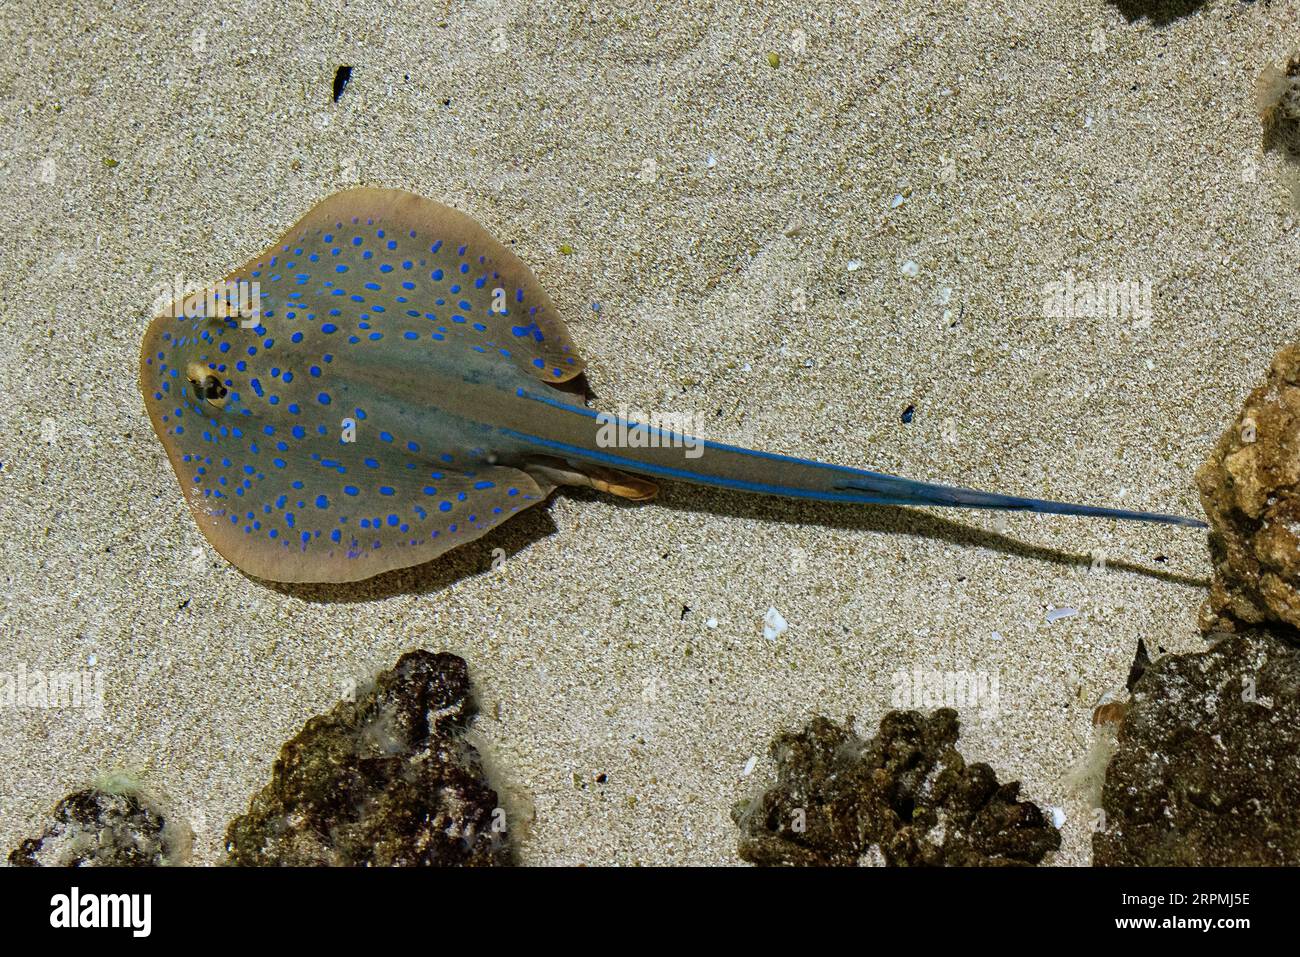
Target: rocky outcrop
(387, 780)
(1250, 488)
(1207, 767)
(116, 825)
(906, 797)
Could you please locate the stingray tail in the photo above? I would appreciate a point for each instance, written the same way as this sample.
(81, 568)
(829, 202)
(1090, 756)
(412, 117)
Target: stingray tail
(661, 453)
(929, 493)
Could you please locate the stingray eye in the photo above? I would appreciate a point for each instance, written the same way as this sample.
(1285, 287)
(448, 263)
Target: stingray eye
(207, 386)
(213, 390)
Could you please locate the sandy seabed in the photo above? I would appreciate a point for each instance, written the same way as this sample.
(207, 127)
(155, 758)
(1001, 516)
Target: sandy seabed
(796, 252)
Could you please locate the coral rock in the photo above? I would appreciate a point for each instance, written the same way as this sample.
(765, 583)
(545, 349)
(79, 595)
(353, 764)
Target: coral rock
(387, 780)
(906, 797)
(1250, 489)
(1206, 772)
(1277, 96)
(97, 827)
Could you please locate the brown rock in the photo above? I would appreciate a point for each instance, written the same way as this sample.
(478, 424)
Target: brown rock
(906, 797)
(112, 826)
(1277, 97)
(386, 781)
(1250, 489)
(1206, 770)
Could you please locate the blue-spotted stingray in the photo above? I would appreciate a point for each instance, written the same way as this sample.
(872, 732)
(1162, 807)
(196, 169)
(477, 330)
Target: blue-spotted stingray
(396, 389)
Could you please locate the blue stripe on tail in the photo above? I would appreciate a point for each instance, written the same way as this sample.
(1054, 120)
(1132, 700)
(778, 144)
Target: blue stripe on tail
(859, 486)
